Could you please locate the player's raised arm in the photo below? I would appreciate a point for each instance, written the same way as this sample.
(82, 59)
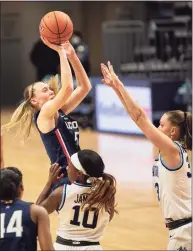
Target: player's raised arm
(41, 218)
(84, 85)
(159, 139)
(52, 106)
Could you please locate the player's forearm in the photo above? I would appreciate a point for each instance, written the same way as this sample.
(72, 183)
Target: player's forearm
(81, 76)
(66, 74)
(121, 99)
(132, 108)
(44, 194)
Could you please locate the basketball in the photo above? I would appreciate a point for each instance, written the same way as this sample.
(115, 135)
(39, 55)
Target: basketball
(56, 27)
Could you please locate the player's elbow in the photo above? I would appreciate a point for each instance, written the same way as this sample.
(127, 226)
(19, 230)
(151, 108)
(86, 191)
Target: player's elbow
(84, 89)
(139, 117)
(88, 87)
(68, 90)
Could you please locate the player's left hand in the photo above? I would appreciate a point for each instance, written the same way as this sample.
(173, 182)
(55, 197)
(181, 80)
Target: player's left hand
(54, 174)
(109, 76)
(70, 52)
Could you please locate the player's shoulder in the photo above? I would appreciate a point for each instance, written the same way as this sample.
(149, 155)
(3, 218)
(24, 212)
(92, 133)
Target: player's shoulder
(37, 212)
(181, 148)
(21, 204)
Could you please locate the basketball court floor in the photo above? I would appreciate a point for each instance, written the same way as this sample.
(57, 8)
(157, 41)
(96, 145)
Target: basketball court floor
(139, 225)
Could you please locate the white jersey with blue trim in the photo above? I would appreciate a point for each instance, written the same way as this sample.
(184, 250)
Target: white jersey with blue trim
(75, 223)
(173, 187)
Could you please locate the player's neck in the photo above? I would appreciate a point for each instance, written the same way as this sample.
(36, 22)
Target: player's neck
(81, 180)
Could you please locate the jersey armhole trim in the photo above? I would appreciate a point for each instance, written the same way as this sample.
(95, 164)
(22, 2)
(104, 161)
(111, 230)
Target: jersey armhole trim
(63, 198)
(181, 158)
(62, 113)
(82, 185)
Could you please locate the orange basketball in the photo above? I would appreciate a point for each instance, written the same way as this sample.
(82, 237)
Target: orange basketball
(56, 27)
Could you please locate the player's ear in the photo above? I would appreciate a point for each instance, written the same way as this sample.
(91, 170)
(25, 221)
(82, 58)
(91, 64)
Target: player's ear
(21, 187)
(173, 131)
(33, 101)
(79, 173)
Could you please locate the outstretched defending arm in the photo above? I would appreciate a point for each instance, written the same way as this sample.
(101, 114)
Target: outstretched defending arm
(168, 148)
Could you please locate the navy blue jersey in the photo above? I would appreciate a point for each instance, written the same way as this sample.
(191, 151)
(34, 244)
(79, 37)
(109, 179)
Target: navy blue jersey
(66, 131)
(18, 232)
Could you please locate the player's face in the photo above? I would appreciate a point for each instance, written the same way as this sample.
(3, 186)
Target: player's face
(73, 173)
(42, 94)
(166, 127)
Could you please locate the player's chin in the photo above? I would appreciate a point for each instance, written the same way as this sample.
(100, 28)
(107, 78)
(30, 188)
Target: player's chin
(71, 179)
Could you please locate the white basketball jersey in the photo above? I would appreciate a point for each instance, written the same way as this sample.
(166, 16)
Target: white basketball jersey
(75, 223)
(173, 187)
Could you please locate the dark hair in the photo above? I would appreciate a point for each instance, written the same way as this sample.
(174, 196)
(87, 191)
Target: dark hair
(102, 192)
(184, 121)
(10, 180)
(16, 170)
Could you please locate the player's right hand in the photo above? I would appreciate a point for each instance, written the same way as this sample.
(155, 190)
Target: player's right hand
(109, 76)
(55, 173)
(69, 49)
(55, 47)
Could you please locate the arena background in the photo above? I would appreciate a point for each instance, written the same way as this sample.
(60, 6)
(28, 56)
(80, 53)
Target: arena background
(150, 46)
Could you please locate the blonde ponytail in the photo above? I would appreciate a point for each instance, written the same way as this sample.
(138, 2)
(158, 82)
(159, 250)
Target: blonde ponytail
(22, 116)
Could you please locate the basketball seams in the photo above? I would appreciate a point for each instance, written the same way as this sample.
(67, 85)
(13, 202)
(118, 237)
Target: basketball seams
(48, 27)
(60, 36)
(66, 25)
(57, 26)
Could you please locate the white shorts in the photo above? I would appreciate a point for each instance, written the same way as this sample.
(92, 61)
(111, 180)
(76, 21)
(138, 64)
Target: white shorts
(180, 238)
(58, 246)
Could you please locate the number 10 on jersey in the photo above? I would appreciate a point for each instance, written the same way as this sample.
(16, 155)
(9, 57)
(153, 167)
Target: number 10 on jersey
(77, 221)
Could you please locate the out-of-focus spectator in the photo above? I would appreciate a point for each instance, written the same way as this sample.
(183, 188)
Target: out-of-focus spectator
(183, 96)
(45, 60)
(81, 50)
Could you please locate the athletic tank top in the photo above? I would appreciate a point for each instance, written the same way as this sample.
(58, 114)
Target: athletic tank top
(18, 231)
(64, 137)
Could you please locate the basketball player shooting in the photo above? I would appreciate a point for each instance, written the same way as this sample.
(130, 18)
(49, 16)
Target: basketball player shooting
(49, 108)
